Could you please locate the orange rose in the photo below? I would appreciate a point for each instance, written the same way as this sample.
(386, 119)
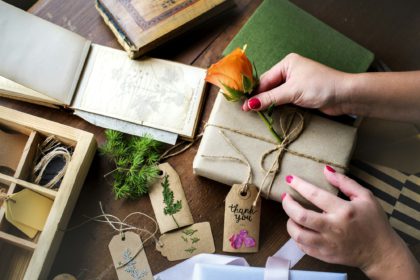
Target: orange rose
(233, 74)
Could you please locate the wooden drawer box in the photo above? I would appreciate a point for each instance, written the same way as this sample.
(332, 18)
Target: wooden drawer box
(20, 256)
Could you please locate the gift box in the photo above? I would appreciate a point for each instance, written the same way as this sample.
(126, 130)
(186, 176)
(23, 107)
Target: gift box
(233, 139)
(232, 272)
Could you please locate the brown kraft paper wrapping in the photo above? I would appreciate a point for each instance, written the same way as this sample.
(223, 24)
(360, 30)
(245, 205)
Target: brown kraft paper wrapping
(183, 217)
(321, 138)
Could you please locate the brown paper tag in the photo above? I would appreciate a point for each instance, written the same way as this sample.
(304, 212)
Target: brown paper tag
(242, 220)
(187, 242)
(129, 258)
(169, 221)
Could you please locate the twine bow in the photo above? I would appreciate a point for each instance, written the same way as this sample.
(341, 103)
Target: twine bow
(292, 123)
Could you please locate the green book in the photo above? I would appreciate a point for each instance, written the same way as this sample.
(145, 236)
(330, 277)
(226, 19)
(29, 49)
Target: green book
(278, 28)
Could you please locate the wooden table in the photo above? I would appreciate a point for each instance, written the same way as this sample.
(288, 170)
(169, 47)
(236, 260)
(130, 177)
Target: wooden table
(389, 28)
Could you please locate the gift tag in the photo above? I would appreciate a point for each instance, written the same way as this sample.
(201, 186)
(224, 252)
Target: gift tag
(28, 231)
(242, 220)
(187, 242)
(129, 257)
(30, 209)
(169, 202)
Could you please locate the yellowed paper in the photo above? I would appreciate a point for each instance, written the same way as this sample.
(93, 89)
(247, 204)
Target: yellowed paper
(151, 92)
(29, 208)
(28, 231)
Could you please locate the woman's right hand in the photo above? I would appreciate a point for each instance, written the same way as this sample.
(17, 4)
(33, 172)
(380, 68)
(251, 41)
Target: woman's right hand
(303, 82)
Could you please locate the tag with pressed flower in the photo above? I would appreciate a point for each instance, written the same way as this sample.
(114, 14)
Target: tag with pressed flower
(242, 220)
(129, 257)
(168, 200)
(187, 242)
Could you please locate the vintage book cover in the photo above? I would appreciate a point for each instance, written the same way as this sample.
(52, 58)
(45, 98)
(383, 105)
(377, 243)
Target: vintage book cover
(279, 27)
(141, 25)
(56, 67)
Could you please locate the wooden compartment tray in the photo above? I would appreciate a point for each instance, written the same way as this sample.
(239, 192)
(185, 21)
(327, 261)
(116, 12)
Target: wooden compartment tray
(20, 256)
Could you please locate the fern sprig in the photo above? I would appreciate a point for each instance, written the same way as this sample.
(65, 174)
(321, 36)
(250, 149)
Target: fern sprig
(171, 207)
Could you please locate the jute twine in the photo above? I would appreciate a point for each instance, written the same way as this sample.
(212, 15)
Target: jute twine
(4, 196)
(50, 149)
(292, 123)
(121, 226)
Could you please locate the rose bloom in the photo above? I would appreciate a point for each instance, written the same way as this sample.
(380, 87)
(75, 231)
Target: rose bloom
(228, 74)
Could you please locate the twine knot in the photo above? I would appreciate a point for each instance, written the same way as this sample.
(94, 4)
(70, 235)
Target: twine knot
(5, 197)
(291, 123)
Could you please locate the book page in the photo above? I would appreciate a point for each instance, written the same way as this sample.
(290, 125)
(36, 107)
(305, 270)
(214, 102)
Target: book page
(14, 90)
(40, 55)
(151, 92)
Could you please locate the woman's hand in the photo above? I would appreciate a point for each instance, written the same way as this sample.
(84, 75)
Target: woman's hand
(355, 233)
(306, 83)
(300, 81)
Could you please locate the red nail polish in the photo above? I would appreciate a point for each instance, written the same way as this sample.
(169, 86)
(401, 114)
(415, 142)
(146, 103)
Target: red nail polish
(329, 168)
(289, 178)
(283, 195)
(254, 103)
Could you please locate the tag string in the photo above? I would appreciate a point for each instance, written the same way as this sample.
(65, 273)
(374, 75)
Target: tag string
(122, 226)
(172, 151)
(5, 197)
(291, 130)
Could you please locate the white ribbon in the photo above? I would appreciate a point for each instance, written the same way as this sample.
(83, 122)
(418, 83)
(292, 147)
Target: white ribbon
(277, 267)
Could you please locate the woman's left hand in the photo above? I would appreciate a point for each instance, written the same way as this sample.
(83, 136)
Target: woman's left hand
(355, 232)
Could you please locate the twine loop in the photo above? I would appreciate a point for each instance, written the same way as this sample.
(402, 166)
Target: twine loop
(51, 149)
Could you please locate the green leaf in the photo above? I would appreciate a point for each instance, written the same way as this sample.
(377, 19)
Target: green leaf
(232, 94)
(189, 231)
(171, 208)
(190, 250)
(247, 84)
(195, 239)
(256, 77)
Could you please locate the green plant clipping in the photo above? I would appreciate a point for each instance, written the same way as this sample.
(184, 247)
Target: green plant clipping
(136, 160)
(171, 207)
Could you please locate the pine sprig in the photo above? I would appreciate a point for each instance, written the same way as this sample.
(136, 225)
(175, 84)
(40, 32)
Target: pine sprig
(171, 207)
(136, 161)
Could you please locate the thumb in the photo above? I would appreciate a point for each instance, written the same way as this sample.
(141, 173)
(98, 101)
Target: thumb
(278, 96)
(346, 185)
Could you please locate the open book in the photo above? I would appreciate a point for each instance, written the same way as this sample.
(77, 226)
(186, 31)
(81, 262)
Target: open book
(46, 64)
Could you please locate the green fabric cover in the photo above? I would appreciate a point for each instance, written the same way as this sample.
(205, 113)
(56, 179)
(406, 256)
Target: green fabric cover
(278, 28)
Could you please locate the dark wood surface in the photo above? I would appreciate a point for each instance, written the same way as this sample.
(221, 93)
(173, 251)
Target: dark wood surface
(391, 29)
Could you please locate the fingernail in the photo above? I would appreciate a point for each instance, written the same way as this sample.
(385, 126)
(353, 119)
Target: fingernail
(329, 168)
(289, 179)
(254, 103)
(283, 195)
